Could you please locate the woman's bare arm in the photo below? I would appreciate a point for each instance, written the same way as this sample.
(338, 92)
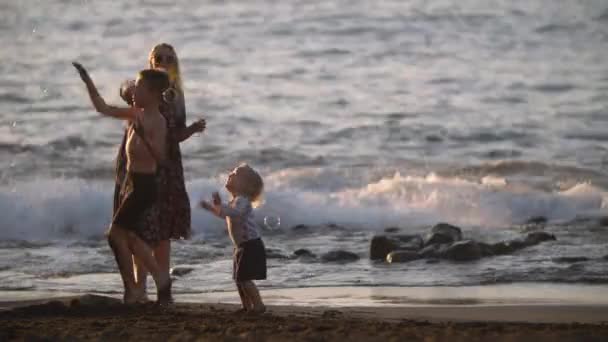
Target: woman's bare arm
(98, 102)
(184, 133)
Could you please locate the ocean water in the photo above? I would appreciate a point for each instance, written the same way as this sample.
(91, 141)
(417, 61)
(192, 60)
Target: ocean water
(360, 115)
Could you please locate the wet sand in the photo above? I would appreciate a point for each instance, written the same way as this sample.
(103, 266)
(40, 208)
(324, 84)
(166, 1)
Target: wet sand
(104, 318)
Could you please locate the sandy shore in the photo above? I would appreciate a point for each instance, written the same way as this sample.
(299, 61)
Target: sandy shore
(93, 317)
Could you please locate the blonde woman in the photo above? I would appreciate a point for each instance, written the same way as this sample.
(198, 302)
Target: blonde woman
(171, 213)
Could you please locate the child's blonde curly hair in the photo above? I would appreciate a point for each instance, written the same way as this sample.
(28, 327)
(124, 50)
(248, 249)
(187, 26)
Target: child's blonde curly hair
(255, 185)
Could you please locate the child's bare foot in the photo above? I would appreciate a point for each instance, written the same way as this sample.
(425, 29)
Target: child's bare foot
(258, 310)
(134, 297)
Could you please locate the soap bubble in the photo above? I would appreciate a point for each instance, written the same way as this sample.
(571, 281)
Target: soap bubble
(272, 222)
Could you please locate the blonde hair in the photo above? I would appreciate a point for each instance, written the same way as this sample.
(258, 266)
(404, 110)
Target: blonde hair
(175, 75)
(255, 184)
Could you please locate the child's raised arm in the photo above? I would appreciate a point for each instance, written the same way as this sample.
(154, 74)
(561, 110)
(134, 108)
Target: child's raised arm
(240, 208)
(98, 101)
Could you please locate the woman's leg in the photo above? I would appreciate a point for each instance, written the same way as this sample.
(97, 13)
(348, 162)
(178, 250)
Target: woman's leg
(162, 253)
(119, 243)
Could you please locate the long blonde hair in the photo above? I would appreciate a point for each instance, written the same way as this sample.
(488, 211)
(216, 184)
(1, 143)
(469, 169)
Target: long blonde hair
(174, 73)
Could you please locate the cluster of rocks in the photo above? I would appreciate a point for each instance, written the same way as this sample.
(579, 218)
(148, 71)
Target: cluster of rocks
(306, 255)
(445, 242)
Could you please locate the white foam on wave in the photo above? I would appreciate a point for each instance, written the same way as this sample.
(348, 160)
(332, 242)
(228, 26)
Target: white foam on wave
(60, 208)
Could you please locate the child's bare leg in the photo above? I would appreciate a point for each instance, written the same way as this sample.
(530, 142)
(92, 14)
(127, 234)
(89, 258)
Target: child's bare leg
(141, 275)
(244, 300)
(252, 293)
(143, 253)
(119, 243)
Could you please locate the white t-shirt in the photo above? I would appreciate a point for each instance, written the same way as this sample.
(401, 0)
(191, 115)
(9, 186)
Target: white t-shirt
(240, 220)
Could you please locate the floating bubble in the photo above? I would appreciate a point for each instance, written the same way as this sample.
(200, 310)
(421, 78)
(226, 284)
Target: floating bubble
(272, 222)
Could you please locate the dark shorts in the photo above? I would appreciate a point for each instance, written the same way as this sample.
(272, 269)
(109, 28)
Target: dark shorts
(249, 261)
(139, 195)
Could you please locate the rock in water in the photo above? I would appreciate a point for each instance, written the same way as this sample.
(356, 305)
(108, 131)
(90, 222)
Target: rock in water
(433, 251)
(486, 249)
(466, 250)
(402, 256)
(339, 256)
(272, 253)
(535, 238)
(304, 253)
(570, 259)
(181, 271)
(443, 233)
(537, 220)
(381, 245)
(391, 230)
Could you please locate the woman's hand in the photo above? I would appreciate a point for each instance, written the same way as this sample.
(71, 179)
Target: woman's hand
(199, 126)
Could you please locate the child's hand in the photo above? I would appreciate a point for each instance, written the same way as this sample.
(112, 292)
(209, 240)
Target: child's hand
(206, 205)
(84, 75)
(217, 200)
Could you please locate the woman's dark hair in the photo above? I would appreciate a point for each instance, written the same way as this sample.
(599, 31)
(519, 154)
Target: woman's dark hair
(156, 80)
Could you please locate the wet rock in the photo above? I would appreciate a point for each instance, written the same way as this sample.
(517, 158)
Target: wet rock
(300, 228)
(181, 271)
(605, 257)
(381, 245)
(402, 256)
(272, 253)
(486, 249)
(391, 230)
(304, 253)
(339, 256)
(506, 247)
(603, 221)
(466, 250)
(537, 220)
(433, 251)
(535, 238)
(443, 233)
(437, 238)
(570, 259)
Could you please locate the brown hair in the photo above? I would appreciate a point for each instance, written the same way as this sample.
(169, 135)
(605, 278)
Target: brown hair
(156, 80)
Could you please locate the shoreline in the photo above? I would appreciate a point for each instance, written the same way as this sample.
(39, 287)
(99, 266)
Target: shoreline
(531, 303)
(100, 318)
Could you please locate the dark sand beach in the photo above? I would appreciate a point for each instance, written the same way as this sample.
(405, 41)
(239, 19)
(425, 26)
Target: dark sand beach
(97, 318)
